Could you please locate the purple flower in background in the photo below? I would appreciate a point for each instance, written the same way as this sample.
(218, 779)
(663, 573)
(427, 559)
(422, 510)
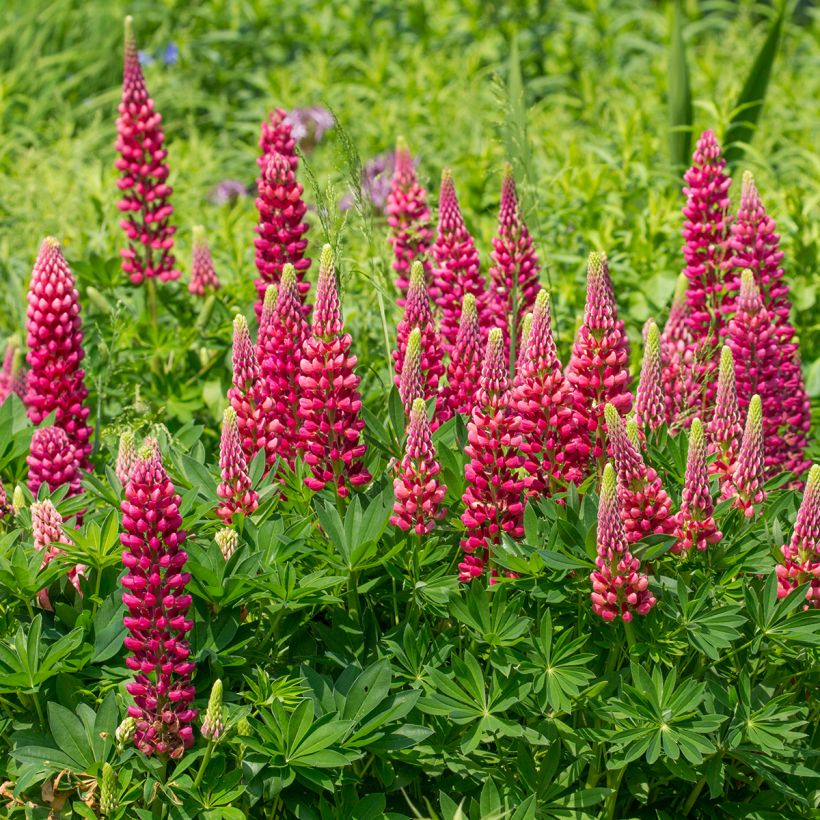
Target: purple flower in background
(309, 125)
(227, 191)
(377, 174)
(145, 58)
(170, 54)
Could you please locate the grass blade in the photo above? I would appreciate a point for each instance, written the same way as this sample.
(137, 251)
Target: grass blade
(680, 94)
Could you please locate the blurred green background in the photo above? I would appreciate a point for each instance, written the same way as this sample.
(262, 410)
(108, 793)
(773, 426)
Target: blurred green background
(599, 174)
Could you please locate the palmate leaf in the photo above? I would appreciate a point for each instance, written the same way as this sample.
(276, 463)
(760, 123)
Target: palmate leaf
(492, 618)
(708, 629)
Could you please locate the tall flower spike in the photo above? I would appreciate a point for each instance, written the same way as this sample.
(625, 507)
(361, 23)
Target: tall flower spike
(676, 354)
(705, 233)
(203, 275)
(464, 369)
(143, 177)
(282, 334)
(456, 272)
(157, 604)
(126, 457)
(542, 401)
(619, 588)
(411, 386)
(759, 369)
(52, 461)
(598, 369)
(47, 530)
(745, 482)
(417, 488)
(330, 405)
(277, 136)
(493, 503)
(649, 403)
(515, 269)
(281, 227)
(725, 430)
(801, 556)
(55, 349)
(247, 396)
(695, 524)
(418, 314)
(409, 219)
(235, 490)
(645, 505)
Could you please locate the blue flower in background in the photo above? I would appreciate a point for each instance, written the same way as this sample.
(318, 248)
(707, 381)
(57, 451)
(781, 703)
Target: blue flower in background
(145, 58)
(170, 56)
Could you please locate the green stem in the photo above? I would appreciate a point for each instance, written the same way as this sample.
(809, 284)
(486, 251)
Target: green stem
(353, 595)
(612, 800)
(384, 330)
(630, 635)
(206, 759)
(693, 796)
(158, 803)
(39, 707)
(151, 289)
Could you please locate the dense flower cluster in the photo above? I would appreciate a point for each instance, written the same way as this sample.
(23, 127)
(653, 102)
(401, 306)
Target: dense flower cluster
(417, 488)
(144, 177)
(281, 227)
(725, 429)
(464, 367)
(235, 489)
(52, 461)
(277, 137)
(47, 530)
(126, 457)
(12, 374)
(493, 495)
(409, 219)
(650, 409)
(157, 605)
(329, 405)
(676, 354)
(619, 588)
(694, 523)
(744, 484)
(203, 275)
(55, 349)
(411, 384)
(801, 556)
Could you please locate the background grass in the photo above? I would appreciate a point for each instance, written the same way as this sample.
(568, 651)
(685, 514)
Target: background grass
(595, 76)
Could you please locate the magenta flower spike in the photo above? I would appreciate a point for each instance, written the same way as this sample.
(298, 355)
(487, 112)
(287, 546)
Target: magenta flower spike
(493, 496)
(801, 556)
(523, 341)
(645, 506)
(515, 269)
(52, 461)
(282, 334)
(126, 458)
(55, 349)
(676, 355)
(724, 431)
(418, 313)
(417, 488)
(203, 275)
(760, 369)
(456, 271)
(619, 588)
(650, 411)
(694, 523)
(157, 602)
(12, 374)
(281, 227)
(143, 178)
(409, 218)
(542, 401)
(277, 137)
(235, 490)
(598, 369)
(411, 386)
(464, 369)
(745, 481)
(247, 396)
(47, 530)
(330, 405)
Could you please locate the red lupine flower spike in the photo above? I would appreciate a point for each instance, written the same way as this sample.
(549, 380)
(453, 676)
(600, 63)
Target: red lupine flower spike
(55, 350)
(418, 314)
(514, 273)
(408, 216)
(456, 271)
(158, 604)
(619, 588)
(126, 457)
(493, 495)
(411, 386)
(649, 403)
(745, 482)
(760, 368)
(277, 136)
(676, 354)
(52, 461)
(282, 334)
(542, 401)
(247, 396)
(143, 177)
(724, 430)
(417, 489)
(281, 228)
(598, 368)
(203, 275)
(801, 556)
(695, 524)
(645, 505)
(464, 369)
(235, 490)
(330, 405)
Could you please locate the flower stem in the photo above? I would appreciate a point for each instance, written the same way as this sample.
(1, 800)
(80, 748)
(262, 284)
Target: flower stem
(630, 635)
(353, 596)
(693, 795)
(206, 759)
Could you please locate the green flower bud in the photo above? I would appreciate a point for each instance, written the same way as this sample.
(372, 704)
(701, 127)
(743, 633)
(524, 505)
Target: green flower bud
(109, 791)
(214, 724)
(125, 732)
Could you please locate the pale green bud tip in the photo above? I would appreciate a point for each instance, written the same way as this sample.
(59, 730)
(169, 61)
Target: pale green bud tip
(240, 324)
(596, 263)
(727, 362)
(813, 481)
(633, 433)
(198, 232)
(51, 242)
(419, 407)
(508, 170)
(269, 301)
(468, 305)
(229, 417)
(326, 259)
(401, 145)
(126, 440)
(611, 415)
(414, 340)
(748, 288)
(653, 339)
(748, 179)
(756, 410)
(542, 301)
(288, 278)
(446, 175)
(18, 499)
(696, 433)
(214, 723)
(227, 540)
(681, 286)
(416, 274)
(108, 790)
(526, 327)
(608, 482)
(146, 452)
(128, 29)
(496, 337)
